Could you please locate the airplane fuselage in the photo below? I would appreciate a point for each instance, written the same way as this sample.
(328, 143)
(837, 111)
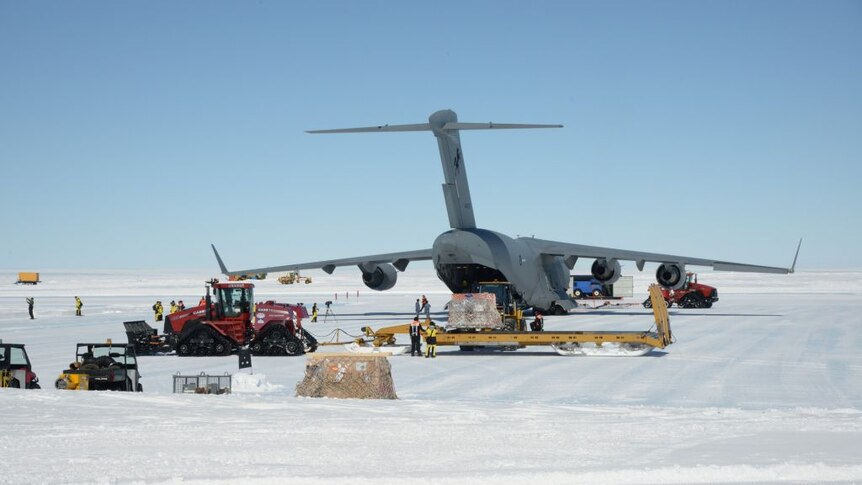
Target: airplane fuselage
(465, 257)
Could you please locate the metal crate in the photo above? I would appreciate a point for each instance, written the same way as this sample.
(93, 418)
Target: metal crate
(202, 384)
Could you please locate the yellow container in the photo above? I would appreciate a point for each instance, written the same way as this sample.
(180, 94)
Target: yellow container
(31, 278)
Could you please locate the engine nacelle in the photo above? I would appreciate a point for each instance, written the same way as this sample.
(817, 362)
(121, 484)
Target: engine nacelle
(671, 275)
(606, 270)
(381, 278)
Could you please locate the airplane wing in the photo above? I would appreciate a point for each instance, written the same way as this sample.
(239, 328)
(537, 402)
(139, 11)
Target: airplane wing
(399, 260)
(568, 250)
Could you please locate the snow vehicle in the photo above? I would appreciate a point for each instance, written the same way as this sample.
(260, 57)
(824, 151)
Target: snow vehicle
(102, 367)
(231, 321)
(15, 368)
(691, 295)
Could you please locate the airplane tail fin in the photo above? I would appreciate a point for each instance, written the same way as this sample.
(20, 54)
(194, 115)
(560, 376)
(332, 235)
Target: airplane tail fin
(793, 266)
(445, 126)
(221, 265)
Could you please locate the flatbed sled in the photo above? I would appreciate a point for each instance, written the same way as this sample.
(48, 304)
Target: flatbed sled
(565, 342)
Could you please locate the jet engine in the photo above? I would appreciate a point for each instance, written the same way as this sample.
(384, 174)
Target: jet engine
(382, 277)
(606, 270)
(670, 275)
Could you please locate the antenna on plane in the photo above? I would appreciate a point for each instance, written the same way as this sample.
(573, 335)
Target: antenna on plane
(445, 126)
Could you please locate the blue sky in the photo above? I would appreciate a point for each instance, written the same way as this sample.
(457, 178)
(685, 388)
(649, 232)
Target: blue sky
(133, 134)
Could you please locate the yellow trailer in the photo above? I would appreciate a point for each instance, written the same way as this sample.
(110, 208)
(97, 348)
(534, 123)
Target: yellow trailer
(28, 278)
(565, 342)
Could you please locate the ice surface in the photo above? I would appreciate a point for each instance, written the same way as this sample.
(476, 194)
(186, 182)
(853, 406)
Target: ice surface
(766, 386)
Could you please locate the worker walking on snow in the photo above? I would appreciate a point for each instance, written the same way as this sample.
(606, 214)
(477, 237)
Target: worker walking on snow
(181, 306)
(415, 337)
(158, 310)
(431, 341)
(314, 313)
(78, 305)
(30, 306)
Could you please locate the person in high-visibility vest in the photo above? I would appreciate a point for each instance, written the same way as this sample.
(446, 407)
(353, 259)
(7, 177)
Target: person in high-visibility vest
(174, 307)
(158, 310)
(431, 341)
(314, 313)
(78, 305)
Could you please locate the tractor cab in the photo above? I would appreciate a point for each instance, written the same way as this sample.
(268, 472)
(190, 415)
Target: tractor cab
(689, 279)
(233, 301)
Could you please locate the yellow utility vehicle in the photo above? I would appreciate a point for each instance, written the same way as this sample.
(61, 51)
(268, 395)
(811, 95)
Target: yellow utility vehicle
(102, 367)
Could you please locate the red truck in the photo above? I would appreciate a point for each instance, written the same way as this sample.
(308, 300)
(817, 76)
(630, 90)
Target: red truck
(691, 295)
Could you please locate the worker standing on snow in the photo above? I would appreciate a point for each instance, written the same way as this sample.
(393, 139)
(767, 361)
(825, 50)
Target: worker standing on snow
(418, 308)
(415, 337)
(203, 301)
(158, 310)
(174, 307)
(181, 306)
(78, 305)
(538, 324)
(426, 307)
(314, 313)
(431, 341)
(30, 303)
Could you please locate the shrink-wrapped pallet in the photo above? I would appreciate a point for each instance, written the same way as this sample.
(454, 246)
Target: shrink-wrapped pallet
(474, 311)
(347, 376)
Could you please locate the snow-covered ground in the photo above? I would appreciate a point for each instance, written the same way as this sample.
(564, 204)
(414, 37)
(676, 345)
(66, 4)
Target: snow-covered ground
(766, 386)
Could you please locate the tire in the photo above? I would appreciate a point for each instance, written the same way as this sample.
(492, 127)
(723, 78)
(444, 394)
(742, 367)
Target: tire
(669, 303)
(60, 384)
(707, 304)
(256, 347)
(648, 303)
(15, 384)
(597, 293)
(219, 348)
(293, 347)
(34, 385)
(578, 293)
(184, 349)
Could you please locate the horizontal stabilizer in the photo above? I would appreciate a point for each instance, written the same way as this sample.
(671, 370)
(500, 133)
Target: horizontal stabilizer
(452, 125)
(492, 126)
(372, 129)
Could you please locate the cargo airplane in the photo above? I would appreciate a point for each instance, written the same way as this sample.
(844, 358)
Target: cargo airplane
(465, 255)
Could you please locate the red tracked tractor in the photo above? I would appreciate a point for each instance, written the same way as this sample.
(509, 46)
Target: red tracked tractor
(225, 323)
(691, 295)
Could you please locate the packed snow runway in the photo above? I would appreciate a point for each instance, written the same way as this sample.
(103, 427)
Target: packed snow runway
(766, 386)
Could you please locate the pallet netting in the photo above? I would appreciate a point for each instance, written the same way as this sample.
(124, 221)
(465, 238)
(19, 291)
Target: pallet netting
(474, 310)
(202, 384)
(347, 376)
